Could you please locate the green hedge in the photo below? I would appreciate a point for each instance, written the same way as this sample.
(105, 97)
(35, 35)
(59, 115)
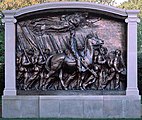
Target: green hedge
(1, 41)
(140, 72)
(1, 78)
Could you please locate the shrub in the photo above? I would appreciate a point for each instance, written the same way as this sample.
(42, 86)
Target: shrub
(140, 72)
(1, 78)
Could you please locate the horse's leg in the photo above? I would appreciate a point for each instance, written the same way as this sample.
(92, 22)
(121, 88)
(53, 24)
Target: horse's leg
(85, 80)
(47, 84)
(68, 80)
(81, 79)
(90, 80)
(61, 79)
(47, 81)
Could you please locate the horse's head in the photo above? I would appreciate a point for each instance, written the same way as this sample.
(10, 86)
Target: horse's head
(94, 40)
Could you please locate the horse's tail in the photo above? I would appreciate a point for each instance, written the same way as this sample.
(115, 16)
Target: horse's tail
(48, 61)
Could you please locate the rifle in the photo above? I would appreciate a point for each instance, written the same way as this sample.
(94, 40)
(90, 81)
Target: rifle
(40, 48)
(21, 44)
(27, 38)
(34, 38)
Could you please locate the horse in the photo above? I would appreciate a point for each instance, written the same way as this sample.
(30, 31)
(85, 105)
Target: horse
(89, 74)
(57, 62)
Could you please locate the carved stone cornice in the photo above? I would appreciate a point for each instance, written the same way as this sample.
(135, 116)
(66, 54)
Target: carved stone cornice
(73, 5)
(9, 16)
(132, 20)
(9, 20)
(132, 16)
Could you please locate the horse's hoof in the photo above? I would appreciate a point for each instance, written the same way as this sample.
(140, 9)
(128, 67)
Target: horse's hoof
(117, 87)
(84, 86)
(66, 88)
(81, 88)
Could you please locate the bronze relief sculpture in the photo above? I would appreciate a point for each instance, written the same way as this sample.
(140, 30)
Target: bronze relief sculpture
(66, 52)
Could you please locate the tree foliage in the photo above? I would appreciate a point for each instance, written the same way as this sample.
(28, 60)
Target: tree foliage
(15, 4)
(140, 36)
(135, 4)
(132, 4)
(140, 72)
(107, 2)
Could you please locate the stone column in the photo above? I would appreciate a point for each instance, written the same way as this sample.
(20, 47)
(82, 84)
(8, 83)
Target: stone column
(132, 21)
(10, 41)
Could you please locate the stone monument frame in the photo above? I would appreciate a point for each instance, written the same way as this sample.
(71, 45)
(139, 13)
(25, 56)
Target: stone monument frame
(85, 106)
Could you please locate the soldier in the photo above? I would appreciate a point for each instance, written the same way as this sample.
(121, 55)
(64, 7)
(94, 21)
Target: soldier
(116, 68)
(74, 50)
(41, 67)
(28, 61)
(109, 83)
(37, 74)
(119, 67)
(101, 61)
(20, 70)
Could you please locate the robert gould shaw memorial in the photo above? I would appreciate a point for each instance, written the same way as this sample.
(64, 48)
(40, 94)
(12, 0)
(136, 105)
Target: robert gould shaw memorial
(71, 59)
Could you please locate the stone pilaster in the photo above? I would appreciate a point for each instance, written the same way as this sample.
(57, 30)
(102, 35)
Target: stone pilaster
(10, 41)
(132, 21)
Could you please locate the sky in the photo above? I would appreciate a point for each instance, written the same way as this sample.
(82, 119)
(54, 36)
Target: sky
(120, 1)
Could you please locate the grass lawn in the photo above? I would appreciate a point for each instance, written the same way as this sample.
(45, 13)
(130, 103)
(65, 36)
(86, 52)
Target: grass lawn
(69, 119)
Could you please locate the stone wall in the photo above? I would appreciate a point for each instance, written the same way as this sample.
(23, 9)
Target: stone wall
(71, 106)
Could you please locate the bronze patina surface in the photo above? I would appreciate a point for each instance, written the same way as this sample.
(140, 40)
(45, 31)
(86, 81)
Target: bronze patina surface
(71, 51)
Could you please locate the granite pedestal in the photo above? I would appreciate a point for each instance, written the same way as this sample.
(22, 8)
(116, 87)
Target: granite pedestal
(106, 106)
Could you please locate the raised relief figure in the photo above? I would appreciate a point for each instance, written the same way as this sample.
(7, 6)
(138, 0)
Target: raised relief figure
(65, 52)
